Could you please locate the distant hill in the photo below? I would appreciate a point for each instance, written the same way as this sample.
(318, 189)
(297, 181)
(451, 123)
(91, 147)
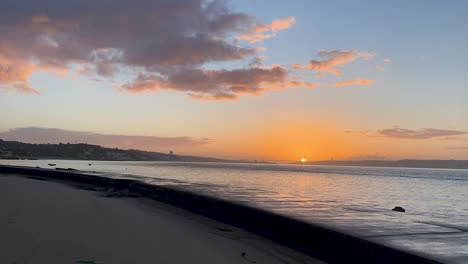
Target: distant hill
(83, 151)
(407, 163)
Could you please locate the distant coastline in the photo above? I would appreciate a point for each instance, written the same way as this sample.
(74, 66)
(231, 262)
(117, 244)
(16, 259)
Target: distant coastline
(84, 151)
(313, 240)
(405, 163)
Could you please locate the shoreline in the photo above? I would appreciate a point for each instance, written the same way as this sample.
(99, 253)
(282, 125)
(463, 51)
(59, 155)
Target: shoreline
(51, 222)
(315, 241)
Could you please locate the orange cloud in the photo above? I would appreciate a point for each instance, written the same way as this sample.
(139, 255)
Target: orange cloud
(14, 71)
(266, 31)
(294, 84)
(358, 81)
(14, 75)
(333, 59)
(218, 84)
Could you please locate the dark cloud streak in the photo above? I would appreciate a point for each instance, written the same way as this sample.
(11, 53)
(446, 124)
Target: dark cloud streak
(417, 134)
(458, 148)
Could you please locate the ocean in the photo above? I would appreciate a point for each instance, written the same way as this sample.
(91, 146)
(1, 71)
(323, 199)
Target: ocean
(354, 200)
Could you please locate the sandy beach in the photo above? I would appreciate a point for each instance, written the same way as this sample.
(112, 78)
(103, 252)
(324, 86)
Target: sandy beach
(49, 222)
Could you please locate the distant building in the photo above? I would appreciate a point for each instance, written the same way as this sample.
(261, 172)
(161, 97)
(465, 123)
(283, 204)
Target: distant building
(171, 155)
(6, 154)
(117, 156)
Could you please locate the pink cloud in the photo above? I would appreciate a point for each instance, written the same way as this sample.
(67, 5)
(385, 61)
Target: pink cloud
(219, 84)
(40, 19)
(333, 59)
(358, 81)
(266, 31)
(143, 36)
(14, 75)
(404, 133)
(160, 44)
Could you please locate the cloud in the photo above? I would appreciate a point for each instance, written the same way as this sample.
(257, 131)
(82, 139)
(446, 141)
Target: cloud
(425, 133)
(257, 61)
(21, 87)
(54, 135)
(40, 19)
(358, 81)
(266, 31)
(333, 59)
(458, 148)
(419, 134)
(157, 39)
(381, 67)
(218, 84)
(14, 75)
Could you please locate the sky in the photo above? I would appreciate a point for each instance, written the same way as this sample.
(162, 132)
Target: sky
(245, 79)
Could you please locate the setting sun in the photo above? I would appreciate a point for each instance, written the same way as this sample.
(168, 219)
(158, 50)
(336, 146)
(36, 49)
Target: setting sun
(303, 160)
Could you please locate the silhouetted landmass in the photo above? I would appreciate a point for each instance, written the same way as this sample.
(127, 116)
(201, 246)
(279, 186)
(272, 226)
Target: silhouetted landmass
(83, 151)
(406, 163)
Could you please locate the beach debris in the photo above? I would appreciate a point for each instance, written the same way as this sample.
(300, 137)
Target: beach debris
(225, 230)
(51, 164)
(399, 209)
(86, 261)
(118, 193)
(69, 169)
(244, 255)
(89, 164)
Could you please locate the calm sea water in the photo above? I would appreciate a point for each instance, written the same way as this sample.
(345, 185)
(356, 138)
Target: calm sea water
(354, 200)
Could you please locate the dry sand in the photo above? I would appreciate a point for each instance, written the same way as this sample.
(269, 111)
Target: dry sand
(49, 222)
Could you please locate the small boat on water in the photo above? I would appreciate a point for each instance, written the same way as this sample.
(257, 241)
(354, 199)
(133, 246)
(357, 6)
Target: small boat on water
(51, 164)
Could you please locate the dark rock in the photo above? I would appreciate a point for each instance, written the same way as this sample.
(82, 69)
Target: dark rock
(399, 209)
(225, 230)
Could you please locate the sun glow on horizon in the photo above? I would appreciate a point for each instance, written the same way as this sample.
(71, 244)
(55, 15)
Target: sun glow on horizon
(303, 160)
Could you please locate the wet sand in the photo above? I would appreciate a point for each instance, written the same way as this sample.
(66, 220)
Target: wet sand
(49, 222)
